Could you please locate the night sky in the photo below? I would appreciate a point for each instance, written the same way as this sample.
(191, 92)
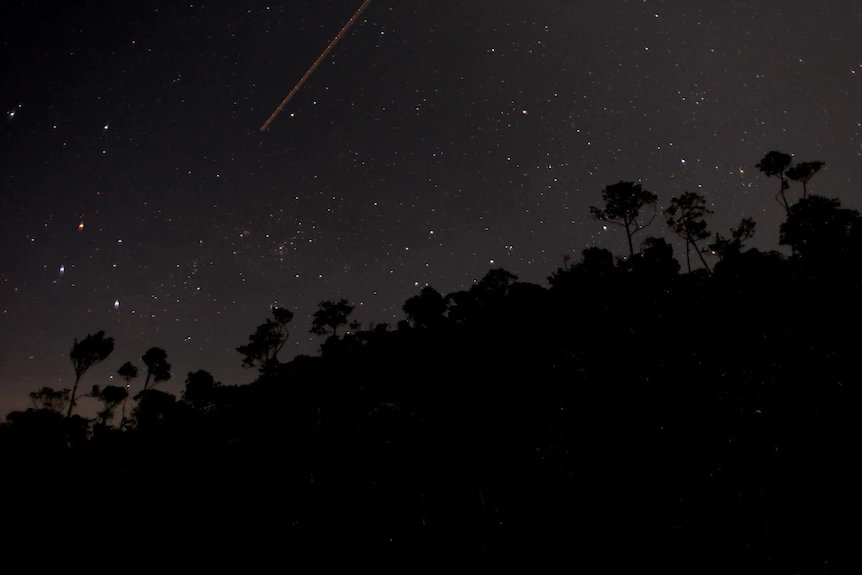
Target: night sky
(440, 139)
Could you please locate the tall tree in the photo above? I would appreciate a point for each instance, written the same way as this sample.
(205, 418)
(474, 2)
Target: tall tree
(267, 340)
(84, 355)
(686, 217)
(803, 172)
(623, 204)
(158, 368)
(776, 163)
(329, 316)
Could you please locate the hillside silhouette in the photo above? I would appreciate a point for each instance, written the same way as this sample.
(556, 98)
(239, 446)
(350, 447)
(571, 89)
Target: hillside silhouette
(634, 413)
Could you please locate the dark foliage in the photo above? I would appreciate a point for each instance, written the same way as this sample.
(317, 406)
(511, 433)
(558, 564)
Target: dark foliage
(730, 247)
(624, 202)
(111, 397)
(267, 340)
(686, 217)
(625, 418)
(85, 354)
(819, 230)
(329, 316)
(158, 368)
(48, 398)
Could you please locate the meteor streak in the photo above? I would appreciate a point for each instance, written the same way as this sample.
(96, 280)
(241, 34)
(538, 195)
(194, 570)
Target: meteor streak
(317, 63)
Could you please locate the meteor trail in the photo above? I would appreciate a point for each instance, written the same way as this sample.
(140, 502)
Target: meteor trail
(314, 66)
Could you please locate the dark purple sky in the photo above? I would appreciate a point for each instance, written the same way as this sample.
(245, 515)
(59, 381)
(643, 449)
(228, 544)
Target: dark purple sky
(440, 139)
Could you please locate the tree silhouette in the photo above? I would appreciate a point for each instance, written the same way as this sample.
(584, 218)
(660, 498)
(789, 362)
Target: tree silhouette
(85, 354)
(426, 309)
(597, 261)
(685, 217)
(43, 434)
(803, 172)
(776, 163)
(494, 284)
(267, 340)
(655, 258)
(329, 316)
(128, 371)
(50, 399)
(727, 247)
(817, 226)
(111, 396)
(735, 390)
(154, 407)
(623, 204)
(158, 368)
(200, 389)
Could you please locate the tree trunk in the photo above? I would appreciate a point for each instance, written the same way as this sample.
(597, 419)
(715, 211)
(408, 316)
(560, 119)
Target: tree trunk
(700, 255)
(781, 193)
(72, 399)
(687, 258)
(631, 245)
